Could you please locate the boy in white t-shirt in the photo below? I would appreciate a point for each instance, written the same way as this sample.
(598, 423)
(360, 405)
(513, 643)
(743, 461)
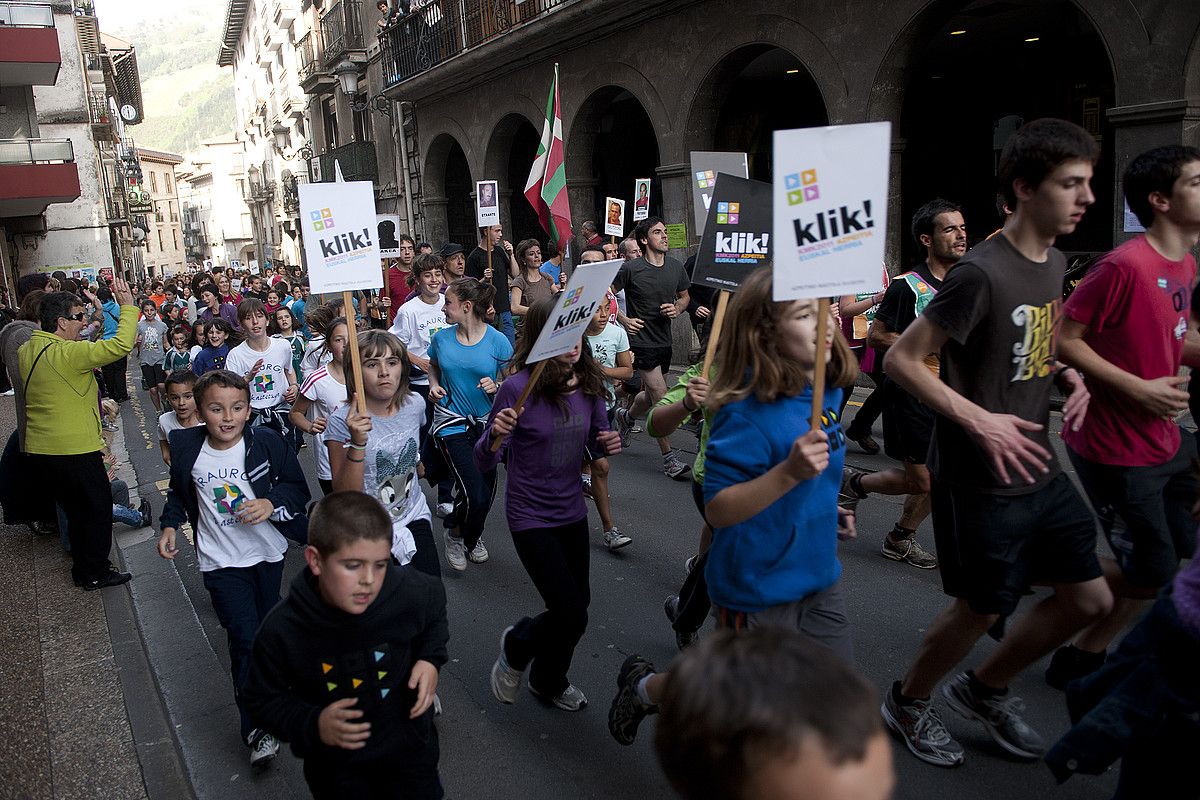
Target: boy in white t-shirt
(242, 490)
(266, 364)
(610, 347)
(415, 324)
(180, 395)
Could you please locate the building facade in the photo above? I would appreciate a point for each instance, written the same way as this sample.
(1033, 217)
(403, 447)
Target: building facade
(216, 220)
(260, 45)
(644, 84)
(164, 251)
(66, 165)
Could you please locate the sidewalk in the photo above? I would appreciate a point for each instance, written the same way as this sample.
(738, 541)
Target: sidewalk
(79, 714)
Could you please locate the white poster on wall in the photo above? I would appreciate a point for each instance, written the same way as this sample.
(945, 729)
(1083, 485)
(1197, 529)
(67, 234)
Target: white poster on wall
(338, 220)
(830, 200)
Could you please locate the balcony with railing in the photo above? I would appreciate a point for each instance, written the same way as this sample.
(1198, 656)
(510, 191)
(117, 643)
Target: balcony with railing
(445, 28)
(29, 54)
(341, 31)
(357, 160)
(35, 173)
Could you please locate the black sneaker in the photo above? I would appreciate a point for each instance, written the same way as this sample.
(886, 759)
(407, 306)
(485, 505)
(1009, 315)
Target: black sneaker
(627, 710)
(863, 440)
(921, 728)
(1069, 663)
(1000, 714)
(110, 578)
(671, 607)
(147, 512)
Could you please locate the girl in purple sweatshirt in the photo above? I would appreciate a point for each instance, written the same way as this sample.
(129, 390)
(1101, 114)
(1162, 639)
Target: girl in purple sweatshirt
(563, 419)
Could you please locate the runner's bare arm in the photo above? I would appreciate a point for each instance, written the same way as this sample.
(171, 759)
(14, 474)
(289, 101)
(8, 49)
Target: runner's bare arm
(1161, 397)
(1191, 341)
(879, 337)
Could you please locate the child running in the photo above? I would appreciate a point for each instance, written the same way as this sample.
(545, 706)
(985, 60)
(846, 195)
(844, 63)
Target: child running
(241, 489)
(770, 494)
(213, 356)
(543, 446)
(151, 333)
(323, 392)
(378, 452)
(287, 328)
(465, 361)
(179, 357)
(180, 387)
(266, 364)
(346, 667)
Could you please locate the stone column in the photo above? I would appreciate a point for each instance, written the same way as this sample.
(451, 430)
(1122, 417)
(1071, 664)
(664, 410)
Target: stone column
(505, 201)
(437, 229)
(581, 193)
(896, 226)
(345, 119)
(677, 201)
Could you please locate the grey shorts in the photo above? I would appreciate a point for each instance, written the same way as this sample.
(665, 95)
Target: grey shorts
(820, 616)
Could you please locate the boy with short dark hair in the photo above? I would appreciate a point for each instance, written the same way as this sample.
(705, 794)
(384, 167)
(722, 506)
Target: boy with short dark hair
(243, 491)
(180, 388)
(765, 713)
(266, 364)
(346, 667)
(151, 338)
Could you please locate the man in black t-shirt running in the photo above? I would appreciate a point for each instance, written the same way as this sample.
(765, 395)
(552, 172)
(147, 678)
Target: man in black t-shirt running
(1005, 516)
(937, 226)
(656, 292)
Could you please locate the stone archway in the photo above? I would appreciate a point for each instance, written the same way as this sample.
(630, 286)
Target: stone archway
(447, 199)
(508, 158)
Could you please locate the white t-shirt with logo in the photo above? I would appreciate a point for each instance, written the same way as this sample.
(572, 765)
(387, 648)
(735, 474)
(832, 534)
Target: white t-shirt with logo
(270, 382)
(327, 394)
(222, 487)
(416, 323)
(169, 422)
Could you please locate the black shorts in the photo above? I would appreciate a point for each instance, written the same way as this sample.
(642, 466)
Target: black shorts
(1155, 503)
(647, 358)
(153, 375)
(907, 425)
(991, 548)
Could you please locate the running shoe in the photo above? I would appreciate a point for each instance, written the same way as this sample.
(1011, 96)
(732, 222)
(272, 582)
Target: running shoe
(147, 512)
(569, 699)
(627, 710)
(689, 565)
(623, 426)
(675, 469)
(922, 730)
(456, 552)
(506, 681)
(865, 441)
(479, 553)
(264, 751)
(1000, 714)
(8, 393)
(615, 540)
(847, 497)
(909, 551)
(671, 607)
(444, 510)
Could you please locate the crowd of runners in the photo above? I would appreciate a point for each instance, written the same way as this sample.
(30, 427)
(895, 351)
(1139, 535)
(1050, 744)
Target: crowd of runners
(965, 354)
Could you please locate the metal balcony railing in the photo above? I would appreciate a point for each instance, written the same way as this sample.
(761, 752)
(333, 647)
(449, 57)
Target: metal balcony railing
(357, 160)
(341, 30)
(36, 151)
(98, 108)
(310, 55)
(26, 15)
(445, 28)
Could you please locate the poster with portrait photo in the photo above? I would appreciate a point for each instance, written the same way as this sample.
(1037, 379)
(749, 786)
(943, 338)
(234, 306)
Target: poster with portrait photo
(641, 199)
(614, 216)
(487, 204)
(387, 228)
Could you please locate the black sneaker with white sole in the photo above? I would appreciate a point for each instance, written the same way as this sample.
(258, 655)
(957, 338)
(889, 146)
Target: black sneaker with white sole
(1000, 714)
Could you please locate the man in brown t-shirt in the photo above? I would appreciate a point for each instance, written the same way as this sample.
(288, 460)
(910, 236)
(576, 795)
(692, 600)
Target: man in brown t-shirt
(1004, 514)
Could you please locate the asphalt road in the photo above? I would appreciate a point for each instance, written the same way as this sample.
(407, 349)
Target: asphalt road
(531, 750)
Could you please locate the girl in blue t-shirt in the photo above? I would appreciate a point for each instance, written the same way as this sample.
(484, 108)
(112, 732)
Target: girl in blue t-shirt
(771, 483)
(465, 363)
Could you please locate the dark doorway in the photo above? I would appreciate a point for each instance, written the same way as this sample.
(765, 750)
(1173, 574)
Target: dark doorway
(524, 221)
(460, 207)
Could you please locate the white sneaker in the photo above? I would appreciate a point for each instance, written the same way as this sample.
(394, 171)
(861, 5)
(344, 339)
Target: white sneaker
(456, 553)
(9, 393)
(505, 680)
(264, 751)
(479, 553)
(615, 540)
(437, 705)
(444, 510)
(571, 699)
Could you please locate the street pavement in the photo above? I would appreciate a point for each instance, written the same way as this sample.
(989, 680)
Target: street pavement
(529, 749)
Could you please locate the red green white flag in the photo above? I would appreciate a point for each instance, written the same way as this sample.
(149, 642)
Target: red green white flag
(546, 189)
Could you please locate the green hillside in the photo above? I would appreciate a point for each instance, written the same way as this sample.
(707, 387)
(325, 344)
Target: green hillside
(187, 97)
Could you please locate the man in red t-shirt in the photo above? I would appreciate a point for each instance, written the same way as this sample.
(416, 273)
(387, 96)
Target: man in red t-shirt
(1125, 328)
(398, 275)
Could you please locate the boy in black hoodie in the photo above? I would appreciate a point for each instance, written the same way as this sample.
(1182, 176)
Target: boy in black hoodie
(346, 667)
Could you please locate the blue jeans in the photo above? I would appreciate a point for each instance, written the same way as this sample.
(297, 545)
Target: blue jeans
(504, 323)
(130, 516)
(242, 596)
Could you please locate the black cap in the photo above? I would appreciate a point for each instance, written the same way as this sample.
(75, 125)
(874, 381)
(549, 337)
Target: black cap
(449, 249)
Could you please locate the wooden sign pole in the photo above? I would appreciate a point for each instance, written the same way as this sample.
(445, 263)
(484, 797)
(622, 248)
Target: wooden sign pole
(715, 334)
(818, 396)
(533, 379)
(491, 247)
(355, 359)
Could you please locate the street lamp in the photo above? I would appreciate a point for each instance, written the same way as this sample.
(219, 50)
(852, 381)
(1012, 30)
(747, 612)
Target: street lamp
(347, 75)
(280, 133)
